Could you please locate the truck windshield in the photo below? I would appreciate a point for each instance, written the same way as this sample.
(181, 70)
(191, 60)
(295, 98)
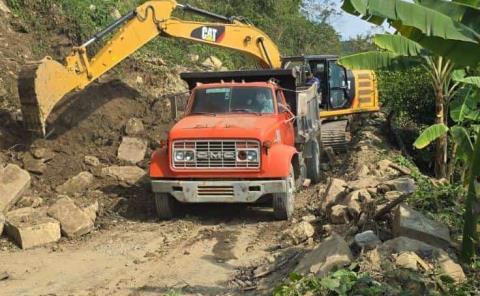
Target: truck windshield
(257, 100)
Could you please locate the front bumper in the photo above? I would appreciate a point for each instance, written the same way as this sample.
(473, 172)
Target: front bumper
(218, 191)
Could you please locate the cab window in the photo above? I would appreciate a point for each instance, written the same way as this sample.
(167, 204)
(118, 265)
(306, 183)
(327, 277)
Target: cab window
(233, 100)
(337, 84)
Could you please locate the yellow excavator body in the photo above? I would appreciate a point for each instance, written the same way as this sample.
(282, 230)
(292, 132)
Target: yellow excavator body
(44, 84)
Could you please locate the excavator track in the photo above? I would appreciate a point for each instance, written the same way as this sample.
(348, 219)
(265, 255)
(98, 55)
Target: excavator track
(336, 134)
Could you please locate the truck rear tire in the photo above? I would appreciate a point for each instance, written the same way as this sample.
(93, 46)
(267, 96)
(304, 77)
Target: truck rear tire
(165, 205)
(284, 203)
(313, 163)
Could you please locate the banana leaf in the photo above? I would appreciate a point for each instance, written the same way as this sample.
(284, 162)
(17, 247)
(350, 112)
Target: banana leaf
(464, 144)
(429, 135)
(378, 60)
(399, 45)
(467, 107)
(461, 12)
(473, 3)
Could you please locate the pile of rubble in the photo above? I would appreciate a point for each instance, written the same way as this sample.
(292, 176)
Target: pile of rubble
(29, 222)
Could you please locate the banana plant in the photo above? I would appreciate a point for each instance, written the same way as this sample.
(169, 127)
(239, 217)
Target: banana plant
(397, 53)
(464, 112)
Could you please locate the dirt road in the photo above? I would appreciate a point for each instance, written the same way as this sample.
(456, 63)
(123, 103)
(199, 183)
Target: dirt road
(200, 253)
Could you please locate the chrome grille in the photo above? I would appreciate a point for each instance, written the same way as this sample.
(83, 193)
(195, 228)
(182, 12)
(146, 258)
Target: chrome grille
(211, 154)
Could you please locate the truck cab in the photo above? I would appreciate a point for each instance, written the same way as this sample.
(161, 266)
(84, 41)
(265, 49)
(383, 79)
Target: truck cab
(238, 142)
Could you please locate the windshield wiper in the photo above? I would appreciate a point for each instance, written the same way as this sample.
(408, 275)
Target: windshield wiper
(203, 113)
(245, 111)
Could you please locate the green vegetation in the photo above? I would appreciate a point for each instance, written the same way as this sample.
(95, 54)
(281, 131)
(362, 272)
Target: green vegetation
(283, 20)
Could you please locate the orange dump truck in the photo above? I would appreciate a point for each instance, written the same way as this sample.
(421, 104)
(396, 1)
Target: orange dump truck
(246, 137)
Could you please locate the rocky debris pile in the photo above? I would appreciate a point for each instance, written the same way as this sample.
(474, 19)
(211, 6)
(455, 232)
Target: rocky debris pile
(371, 225)
(72, 206)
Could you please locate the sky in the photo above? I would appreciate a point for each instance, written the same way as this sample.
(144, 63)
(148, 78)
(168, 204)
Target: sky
(350, 26)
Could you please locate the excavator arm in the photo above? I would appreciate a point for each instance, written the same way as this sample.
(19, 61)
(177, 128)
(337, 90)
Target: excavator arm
(42, 85)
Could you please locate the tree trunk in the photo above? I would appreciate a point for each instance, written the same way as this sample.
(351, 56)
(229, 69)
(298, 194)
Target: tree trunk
(442, 143)
(470, 234)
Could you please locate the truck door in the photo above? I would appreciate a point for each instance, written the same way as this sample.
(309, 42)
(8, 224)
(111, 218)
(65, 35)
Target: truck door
(287, 130)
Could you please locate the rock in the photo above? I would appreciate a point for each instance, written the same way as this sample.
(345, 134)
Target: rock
(339, 214)
(73, 221)
(367, 240)
(33, 165)
(194, 58)
(116, 14)
(309, 218)
(356, 201)
(212, 63)
(451, 268)
(335, 191)
(331, 253)
(364, 183)
(384, 168)
(404, 185)
(92, 161)
(404, 244)
(410, 223)
(43, 153)
(4, 7)
(30, 201)
(363, 172)
(139, 80)
(410, 260)
(14, 182)
(299, 233)
(128, 174)
(134, 127)
(132, 150)
(30, 228)
(92, 210)
(393, 195)
(2, 223)
(76, 185)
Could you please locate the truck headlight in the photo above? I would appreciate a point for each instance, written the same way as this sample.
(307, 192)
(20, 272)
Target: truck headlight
(184, 155)
(247, 155)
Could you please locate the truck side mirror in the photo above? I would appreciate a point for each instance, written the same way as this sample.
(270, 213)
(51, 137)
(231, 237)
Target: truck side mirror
(283, 108)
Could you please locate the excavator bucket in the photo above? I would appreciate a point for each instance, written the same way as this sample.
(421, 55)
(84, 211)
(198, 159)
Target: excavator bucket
(41, 86)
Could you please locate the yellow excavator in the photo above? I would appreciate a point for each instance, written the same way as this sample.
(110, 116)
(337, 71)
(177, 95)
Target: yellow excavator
(44, 84)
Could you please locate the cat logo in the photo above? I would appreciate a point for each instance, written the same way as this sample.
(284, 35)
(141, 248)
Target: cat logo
(210, 34)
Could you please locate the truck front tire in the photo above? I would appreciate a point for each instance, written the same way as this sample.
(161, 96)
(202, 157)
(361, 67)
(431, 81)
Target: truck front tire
(284, 203)
(165, 205)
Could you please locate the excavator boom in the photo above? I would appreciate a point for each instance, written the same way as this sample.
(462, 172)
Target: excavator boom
(43, 84)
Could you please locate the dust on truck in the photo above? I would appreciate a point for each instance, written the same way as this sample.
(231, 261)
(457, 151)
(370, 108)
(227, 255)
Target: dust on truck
(246, 137)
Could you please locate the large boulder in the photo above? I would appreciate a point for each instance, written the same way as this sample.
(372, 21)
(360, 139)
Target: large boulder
(404, 185)
(402, 244)
(74, 221)
(132, 150)
(364, 183)
(128, 175)
(76, 185)
(410, 223)
(339, 214)
(31, 228)
(299, 233)
(331, 253)
(14, 182)
(335, 191)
